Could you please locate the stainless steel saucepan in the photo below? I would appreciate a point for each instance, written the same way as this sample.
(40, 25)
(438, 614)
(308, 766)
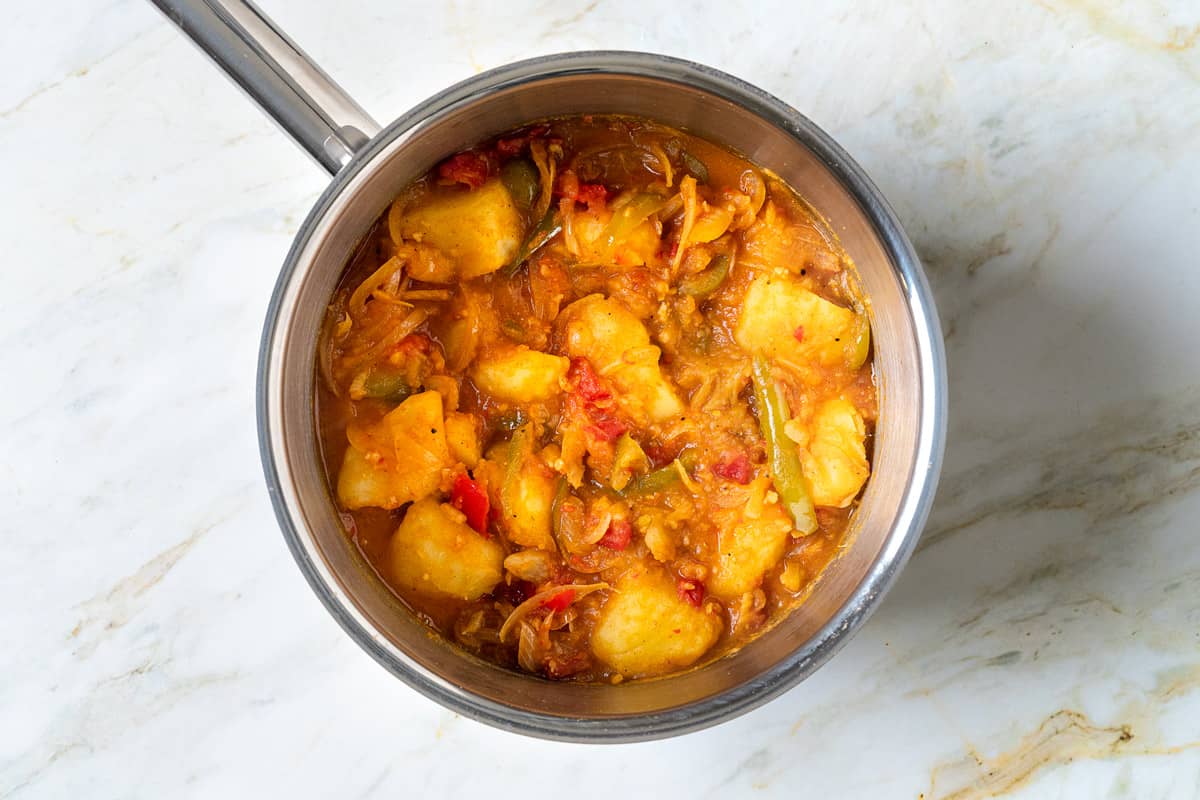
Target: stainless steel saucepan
(370, 165)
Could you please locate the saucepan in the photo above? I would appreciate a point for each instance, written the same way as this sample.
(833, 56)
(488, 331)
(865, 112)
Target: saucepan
(369, 165)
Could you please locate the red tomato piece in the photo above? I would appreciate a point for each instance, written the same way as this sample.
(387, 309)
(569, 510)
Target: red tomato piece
(560, 601)
(605, 428)
(469, 168)
(586, 381)
(414, 343)
(513, 146)
(798, 334)
(618, 536)
(469, 497)
(734, 467)
(564, 666)
(593, 194)
(691, 591)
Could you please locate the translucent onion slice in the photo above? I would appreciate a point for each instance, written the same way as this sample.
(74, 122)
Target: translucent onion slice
(534, 603)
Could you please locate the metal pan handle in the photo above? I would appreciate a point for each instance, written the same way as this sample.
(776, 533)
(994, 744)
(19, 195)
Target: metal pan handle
(277, 75)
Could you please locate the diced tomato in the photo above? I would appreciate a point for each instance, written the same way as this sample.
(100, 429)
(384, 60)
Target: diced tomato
(414, 343)
(691, 590)
(469, 168)
(586, 381)
(514, 593)
(469, 497)
(618, 536)
(558, 666)
(734, 467)
(513, 146)
(560, 601)
(798, 334)
(660, 454)
(606, 428)
(593, 194)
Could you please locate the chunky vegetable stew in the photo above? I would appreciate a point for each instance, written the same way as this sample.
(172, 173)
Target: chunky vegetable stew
(596, 399)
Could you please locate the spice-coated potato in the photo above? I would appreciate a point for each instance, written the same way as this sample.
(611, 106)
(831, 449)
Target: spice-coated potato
(835, 460)
(782, 319)
(479, 229)
(746, 548)
(462, 437)
(520, 374)
(618, 345)
(407, 462)
(435, 551)
(646, 628)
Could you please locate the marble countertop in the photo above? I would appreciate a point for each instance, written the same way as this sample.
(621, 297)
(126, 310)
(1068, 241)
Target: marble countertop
(158, 640)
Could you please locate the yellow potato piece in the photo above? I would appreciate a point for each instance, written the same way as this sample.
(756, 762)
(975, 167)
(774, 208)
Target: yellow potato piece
(408, 470)
(775, 241)
(636, 247)
(747, 548)
(646, 628)
(618, 345)
(361, 484)
(533, 499)
(835, 461)
(775, 307)
(462, 436)
(434, 551)
(520, 374)
(480, 229)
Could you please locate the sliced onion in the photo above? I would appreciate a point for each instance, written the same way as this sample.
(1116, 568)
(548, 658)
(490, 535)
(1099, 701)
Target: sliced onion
(534, 603)
(546, 167)
(752, 186)
(390, 269)
(687, 190)
(526, 647)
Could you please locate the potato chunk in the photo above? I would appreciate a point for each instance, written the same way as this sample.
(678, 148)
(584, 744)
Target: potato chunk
(480, 229)
(361, 483)
(462, 436)
(748, 546)
(775, 241)
(835, 460)
(520, 374)
(408, 453)
(633, 247)
(782, 319)
(527, 493)
(436, 552)
(646, 628)
(618, 345)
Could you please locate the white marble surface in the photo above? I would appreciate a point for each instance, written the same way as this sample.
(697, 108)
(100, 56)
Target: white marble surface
(1044, 642)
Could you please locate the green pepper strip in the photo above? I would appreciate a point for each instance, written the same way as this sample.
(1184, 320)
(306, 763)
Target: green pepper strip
(521, 179)
(387, 385)
(785, 458)
(517, 446)
(549, 227)
(694, 166)
(703, 283)
(661, 478)
(632, 214)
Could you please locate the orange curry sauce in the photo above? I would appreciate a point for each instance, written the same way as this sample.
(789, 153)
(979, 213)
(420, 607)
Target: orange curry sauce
(596, 399)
